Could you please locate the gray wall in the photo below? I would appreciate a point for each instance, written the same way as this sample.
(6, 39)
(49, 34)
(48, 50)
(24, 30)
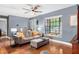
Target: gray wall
(67, 31)
(14, 20)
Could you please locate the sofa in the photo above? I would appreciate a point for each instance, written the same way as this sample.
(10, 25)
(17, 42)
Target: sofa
(6, 41)
(20, 41)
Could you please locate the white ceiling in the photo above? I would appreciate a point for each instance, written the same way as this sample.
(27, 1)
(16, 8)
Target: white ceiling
(16, 9)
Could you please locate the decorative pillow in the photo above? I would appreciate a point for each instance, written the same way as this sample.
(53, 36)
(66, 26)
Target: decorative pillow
(20, 35)
(34, 33)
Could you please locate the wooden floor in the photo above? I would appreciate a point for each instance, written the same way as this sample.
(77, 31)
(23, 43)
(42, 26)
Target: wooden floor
(75, 48)
(51, 48)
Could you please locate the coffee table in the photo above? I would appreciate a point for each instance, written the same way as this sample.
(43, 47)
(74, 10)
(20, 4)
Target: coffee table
(36, 43)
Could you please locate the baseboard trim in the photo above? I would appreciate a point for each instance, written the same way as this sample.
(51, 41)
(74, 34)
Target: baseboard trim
(61, 42)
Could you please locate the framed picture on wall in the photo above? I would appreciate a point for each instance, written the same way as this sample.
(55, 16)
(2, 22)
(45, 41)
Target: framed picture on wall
(73, 20)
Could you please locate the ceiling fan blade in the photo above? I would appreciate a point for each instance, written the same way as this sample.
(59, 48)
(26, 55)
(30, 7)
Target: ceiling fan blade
(25, 9)
(38, 11)
(37, 5)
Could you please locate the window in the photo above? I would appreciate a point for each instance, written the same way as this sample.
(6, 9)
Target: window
(53, 26)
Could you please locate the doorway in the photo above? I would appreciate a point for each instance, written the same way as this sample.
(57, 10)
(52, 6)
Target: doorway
(3, 25)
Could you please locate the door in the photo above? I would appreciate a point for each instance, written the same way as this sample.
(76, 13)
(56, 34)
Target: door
(3, 25)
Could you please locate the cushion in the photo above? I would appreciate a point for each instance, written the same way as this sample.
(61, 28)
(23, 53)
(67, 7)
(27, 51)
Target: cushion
(20, 35)
(34, 33)
(37, 40)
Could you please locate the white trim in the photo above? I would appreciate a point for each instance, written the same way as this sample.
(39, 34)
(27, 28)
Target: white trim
(53, 17)
(61, 42)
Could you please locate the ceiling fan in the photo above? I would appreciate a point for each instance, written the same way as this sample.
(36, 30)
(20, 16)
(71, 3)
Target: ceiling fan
(33, 9)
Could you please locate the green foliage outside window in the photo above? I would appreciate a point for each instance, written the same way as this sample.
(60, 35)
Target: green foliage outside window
(53, 25)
